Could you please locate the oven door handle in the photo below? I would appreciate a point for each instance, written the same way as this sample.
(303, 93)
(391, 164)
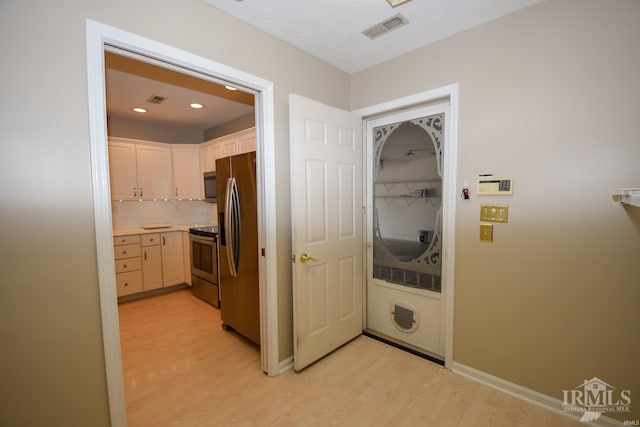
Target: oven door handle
(201, 239)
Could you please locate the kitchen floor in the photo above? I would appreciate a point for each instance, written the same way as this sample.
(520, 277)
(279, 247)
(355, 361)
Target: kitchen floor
(182, 369)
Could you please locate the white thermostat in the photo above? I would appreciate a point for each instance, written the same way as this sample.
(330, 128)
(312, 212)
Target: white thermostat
(495, 185)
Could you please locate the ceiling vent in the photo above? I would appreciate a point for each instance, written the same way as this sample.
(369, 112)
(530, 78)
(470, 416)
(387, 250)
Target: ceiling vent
(385, 26)
(157, 99)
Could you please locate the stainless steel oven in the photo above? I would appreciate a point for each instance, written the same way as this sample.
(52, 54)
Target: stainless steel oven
(204, 264)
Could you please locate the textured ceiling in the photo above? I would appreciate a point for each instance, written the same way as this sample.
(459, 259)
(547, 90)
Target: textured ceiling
(328, 29)
(332, 29)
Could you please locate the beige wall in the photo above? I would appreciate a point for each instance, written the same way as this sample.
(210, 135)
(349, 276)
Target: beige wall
(150, 131)
(235, 125)
(52, 365)
(549, 95)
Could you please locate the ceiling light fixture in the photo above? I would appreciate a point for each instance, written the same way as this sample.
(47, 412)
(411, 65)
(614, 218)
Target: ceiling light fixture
(231, 87)
(396, 3)
(139, 110)
(196, 105)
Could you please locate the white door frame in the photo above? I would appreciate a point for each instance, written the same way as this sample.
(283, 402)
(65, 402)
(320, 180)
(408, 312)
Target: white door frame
(98, 36)
(449, 199)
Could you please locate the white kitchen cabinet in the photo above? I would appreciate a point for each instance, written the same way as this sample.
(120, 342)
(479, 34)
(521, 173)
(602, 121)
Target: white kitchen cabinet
(224, 146)
(187, 178)
(128, 265)
(123, 174)
(247, 141)
(209, 153)
(229, 146)
(154, 171)
(205, 163)
(186, 253)
(139, 170)
(172, 258)
(151, 261)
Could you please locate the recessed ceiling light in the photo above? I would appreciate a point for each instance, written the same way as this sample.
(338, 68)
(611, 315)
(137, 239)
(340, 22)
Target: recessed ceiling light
(139, 110)
(396, 3)
(231, 87)
(196, 105)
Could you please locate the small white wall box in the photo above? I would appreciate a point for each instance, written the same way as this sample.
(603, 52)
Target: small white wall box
(495, 185)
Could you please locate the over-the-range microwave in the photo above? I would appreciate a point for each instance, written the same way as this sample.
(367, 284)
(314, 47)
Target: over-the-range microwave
(210, 192)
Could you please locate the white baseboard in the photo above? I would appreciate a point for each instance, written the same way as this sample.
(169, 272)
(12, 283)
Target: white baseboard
(285, 365)
(528, 395)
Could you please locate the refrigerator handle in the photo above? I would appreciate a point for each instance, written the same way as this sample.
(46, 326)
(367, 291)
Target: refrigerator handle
(237, 227)
(229, 228)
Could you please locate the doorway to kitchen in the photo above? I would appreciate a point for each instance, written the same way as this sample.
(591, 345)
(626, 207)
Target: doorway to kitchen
(99, 38)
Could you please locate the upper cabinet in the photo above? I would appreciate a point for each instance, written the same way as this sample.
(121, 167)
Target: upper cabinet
(209, 153)
(187, 179)
(123, 170)
(225, 146)
(247, 141)
(154, 171)
(142, 170)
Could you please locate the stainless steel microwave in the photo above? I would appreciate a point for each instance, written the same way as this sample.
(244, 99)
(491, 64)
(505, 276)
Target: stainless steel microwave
(210, 192)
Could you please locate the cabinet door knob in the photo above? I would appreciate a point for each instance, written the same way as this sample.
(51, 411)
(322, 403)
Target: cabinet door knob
(126, 284)
(124, 252)
(125, 266)
(135, 192)
(176, 191)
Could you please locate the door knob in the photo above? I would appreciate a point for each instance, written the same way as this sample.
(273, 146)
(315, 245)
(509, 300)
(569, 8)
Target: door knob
(304, 257)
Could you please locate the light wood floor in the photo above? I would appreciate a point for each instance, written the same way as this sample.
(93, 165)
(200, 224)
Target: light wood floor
(181, 369)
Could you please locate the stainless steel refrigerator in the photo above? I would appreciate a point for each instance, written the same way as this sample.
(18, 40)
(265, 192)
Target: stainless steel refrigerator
(238, 244)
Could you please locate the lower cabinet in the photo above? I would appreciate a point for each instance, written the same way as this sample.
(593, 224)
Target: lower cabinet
(128, 265)
(148, 261)
(172, 258)
(151, 263)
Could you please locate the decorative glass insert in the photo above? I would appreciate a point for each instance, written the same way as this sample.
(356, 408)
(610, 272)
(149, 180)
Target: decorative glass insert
(407, 217)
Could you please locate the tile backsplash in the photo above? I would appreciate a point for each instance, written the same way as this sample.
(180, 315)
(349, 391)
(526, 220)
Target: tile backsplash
(132, 214)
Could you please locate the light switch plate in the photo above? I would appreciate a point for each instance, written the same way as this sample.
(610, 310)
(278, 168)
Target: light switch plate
(494, 213)
(486, 232)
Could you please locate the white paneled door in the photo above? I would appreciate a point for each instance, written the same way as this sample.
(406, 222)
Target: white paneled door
(326, 215)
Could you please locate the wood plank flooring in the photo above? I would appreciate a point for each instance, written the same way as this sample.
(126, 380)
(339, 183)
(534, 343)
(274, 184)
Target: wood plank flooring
(181, 369)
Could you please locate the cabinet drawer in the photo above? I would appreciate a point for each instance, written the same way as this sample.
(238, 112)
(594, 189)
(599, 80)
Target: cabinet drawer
(129, 283)
(126, 240)
(128, 264)
(150, 239)
(127, 251)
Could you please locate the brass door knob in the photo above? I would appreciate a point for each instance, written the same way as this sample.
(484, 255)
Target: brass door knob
(304, 257)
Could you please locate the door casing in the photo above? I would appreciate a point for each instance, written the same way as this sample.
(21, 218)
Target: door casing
(99, 37)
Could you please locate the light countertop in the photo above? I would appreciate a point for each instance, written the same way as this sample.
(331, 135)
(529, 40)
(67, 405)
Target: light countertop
(158, 229)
